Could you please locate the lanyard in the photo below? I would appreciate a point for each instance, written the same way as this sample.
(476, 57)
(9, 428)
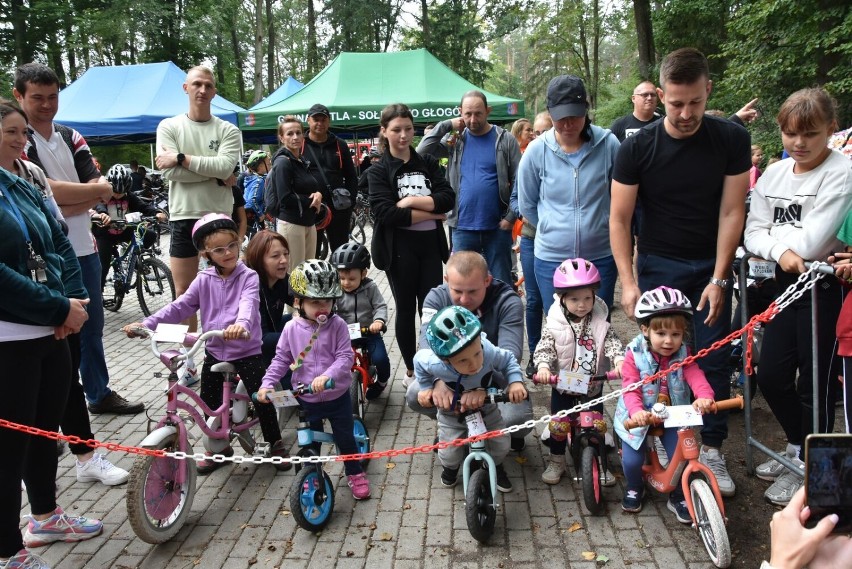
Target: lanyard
(10, 206)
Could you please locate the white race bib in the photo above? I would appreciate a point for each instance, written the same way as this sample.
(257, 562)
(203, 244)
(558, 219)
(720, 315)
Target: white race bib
(573, 382)
(475, 424)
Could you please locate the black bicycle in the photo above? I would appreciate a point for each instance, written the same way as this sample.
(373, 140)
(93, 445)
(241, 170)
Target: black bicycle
(362, 216)
(135, 265)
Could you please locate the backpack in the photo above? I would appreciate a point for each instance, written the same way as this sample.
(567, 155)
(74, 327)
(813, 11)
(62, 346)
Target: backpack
(254, 195)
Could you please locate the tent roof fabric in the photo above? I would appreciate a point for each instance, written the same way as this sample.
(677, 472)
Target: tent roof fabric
(357, 86)
(123, 104)
(289, 87)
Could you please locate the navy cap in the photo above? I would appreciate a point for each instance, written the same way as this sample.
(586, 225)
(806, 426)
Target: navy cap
(566, 97)
(319, 110)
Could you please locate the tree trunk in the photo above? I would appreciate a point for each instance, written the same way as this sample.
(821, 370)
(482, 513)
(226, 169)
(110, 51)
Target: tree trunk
(271, 76)
(23, 48)
(258, 51)
(644, 38)
(424, 21)
(239, 63)
(313, 52)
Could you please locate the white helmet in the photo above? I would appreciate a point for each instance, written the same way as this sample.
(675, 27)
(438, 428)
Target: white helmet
(662, 300)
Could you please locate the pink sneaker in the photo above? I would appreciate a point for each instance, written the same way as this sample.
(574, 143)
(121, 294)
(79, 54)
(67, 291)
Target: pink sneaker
(360, 486)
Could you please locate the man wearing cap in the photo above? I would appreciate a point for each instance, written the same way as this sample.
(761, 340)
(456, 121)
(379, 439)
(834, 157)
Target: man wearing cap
(644, 100)
(689, 172)
(483, 162)
(197, 152)
(330, 163)
(563, 189)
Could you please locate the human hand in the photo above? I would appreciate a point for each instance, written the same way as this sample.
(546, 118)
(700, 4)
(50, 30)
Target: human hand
(130, 329)
(629, 297)
(703, 405)
(472, 400)
(166, 159)
(714, 294)
(405, 202)
(61, 332)
(424, 398)
(318, 384)
(101, 219)
(77, 314)
(505, 225)
(794, 545)
(261, 395)
(230, 181)
(842, 263)
(833, 553)
(442, 396)
(161, 216)
(542, 375)
(458, 124)
(642, 418)
(516, 391)
(617, 367)
(748, 113)
(376, 326)
(104, 189)
(791, 262)
(235, 332)
(316, 201)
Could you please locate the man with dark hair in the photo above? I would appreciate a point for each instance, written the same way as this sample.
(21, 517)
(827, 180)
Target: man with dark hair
(644, 112)
(77, 185)
(689, 172)
(483, 163)
(330, 163)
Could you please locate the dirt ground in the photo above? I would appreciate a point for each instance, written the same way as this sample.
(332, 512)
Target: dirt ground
(748, 512)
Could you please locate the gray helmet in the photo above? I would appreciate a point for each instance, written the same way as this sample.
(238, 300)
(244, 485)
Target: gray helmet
(351, 255)
(316, 279)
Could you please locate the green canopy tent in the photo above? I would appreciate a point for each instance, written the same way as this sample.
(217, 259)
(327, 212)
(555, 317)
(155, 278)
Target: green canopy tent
(356, 87)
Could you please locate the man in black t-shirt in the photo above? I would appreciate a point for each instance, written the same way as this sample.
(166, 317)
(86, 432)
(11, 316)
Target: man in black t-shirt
(644, 112)
(690, 175)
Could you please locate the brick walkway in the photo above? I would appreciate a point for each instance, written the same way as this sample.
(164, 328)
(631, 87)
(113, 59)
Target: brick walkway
(240, 517)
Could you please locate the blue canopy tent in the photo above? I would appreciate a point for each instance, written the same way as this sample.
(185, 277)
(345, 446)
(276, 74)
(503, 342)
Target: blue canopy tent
(289, 87)
(124, 104)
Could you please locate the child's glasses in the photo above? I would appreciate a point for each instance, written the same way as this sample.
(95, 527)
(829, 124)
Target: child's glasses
(232, 247)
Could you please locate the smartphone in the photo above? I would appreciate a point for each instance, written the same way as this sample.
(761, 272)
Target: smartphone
(828, 478)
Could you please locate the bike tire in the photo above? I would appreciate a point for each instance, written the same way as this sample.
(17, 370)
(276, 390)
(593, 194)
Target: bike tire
(312, 499)
(155, 286)
(480, 509)
(711, 524)
(157, 507)
(322, 245)
(590, 470)
(356, 393)
(362, 439)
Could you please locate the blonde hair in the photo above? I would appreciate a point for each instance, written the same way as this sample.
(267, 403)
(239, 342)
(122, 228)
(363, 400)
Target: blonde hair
(465, 262)
(285, 120)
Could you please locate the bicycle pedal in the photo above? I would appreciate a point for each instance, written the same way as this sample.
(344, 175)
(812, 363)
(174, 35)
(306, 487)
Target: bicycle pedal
(262, 449)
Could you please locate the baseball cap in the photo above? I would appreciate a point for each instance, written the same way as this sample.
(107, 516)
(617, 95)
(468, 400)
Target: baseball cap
(566, 97)
(319, 110)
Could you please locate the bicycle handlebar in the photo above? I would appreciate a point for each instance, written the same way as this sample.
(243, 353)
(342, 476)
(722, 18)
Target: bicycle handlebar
(365, 330)
(554, 379)
(301, 390)
(724, 405)
(820, 267)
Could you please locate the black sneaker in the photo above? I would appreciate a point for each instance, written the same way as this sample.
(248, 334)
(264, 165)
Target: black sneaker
(530, 371)
(116, 404)
(449, 477)
(518, 443)
(279, 449)
(632, 501)
(678, 507)
(503, 482)
(375, 390)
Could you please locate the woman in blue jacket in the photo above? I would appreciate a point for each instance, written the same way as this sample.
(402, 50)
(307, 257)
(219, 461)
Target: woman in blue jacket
(563, 189)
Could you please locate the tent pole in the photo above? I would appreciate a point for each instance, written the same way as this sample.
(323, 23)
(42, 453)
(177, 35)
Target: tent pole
(151, 147)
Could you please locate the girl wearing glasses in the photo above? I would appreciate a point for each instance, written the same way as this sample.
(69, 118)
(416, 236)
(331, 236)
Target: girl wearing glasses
(227, 293)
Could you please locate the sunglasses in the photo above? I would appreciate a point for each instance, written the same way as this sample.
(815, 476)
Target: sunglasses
(232, 247)
(650, 95)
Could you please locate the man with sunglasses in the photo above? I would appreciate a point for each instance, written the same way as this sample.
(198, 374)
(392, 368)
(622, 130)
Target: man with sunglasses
(644, 111)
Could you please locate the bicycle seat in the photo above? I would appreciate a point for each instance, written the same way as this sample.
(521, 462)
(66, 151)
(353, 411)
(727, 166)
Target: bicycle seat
(223, 367)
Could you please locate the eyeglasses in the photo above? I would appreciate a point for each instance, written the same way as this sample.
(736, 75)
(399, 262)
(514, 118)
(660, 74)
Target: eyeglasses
(649, 95)
(232, 247)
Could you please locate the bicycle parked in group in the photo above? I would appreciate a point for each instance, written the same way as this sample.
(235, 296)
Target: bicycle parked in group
(362, 215)
(134, 265)
(700, 489)
(588, 448)
(161, 489)
(364, 374)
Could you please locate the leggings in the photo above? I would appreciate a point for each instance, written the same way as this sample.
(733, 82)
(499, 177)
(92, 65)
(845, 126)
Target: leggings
(251, 370)
(415, 269)
(632, 461)
(75, 418)
(787, 349)
(37, 374)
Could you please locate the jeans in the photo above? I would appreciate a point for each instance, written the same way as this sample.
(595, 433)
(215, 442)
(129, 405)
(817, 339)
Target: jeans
(495, 245)
(93, 368)
(534, 312)
(544, 276)
(632, 460)
(375, 346)
(691, 278)
(339, 415)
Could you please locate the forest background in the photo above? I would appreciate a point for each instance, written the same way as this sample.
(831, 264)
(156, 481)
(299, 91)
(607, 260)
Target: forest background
(762, 49)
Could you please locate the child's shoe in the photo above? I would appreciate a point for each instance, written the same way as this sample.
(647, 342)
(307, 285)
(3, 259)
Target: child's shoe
(278, 449)
(375, 390)
(503, 482)
(608, 479)
(632, 501)
(555, 469)
(24, 560)
(677, 505)
(449, 477)
(60, 527)
(360, 486)
(208, 465)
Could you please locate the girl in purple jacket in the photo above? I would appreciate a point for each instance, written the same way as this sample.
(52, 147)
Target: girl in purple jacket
(227, 295)
(315, 345)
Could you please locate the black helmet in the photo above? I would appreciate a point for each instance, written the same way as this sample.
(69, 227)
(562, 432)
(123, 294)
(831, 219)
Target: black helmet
(351, 255)
(119, 177)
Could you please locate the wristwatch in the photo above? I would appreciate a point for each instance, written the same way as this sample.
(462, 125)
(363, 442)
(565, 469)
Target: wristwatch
(180, 158)
(724, 284)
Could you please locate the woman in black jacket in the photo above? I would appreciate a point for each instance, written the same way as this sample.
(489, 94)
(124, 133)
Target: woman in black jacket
(409, 197)
(299, 193)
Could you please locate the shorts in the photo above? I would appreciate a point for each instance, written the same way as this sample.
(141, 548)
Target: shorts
(181, 246)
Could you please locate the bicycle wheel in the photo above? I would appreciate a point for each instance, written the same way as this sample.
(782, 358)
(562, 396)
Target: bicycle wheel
(155, 286)
(356, 229)
(480, 509)
(356, 393)
(362, 440)
(322, 245)
(591, 473)
(711, 524)
(113, 295)
(312, 499)
(157, 503)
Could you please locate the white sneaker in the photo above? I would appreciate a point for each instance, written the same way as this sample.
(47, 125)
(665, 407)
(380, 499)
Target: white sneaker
(787, 484)
(715, 461)
(555, 469)
(99, 469)
(772, 469)
(187, 372)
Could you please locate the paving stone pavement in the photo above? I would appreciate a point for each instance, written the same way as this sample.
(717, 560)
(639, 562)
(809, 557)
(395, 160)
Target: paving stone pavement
(241, 516)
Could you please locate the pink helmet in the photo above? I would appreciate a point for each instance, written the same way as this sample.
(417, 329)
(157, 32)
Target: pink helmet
(575, 273)
(208, 224)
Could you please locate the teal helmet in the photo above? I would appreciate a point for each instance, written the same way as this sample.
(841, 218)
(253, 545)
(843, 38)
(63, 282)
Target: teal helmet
(451, 330)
